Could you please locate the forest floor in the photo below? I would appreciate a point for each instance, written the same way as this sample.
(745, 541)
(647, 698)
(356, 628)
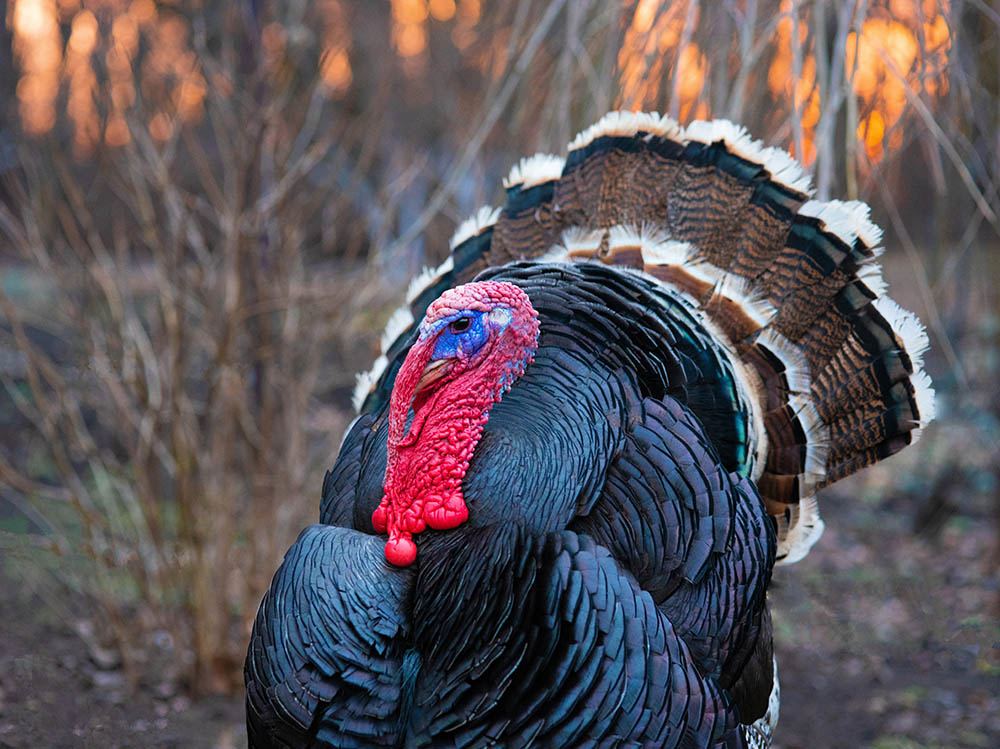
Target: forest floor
(887, 634)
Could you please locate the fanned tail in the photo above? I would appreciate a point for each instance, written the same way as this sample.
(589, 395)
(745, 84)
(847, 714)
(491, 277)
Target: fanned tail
(789, 286)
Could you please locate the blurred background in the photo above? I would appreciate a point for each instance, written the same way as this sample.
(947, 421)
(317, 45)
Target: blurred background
(209, 209)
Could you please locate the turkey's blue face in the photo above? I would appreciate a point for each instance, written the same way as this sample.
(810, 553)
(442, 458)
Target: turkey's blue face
(462, 340)
(463, 334)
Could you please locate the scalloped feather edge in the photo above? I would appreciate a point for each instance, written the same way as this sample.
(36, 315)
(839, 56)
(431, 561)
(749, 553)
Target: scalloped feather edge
(913, 335)
(907, 328)
(535, 170)
(867, 230)
(782, 167)
(741, 291)
(668, 252)
(474, 225)
(817, 441)
(801, 531)
(871, 275)
(778, 162)
(628, 235)
(923, 392)
(426, 277)
(654, 242)
(659, 249)
(796, 366)
(365, 381)
(578, 238)
(627, 124)
(848, 220)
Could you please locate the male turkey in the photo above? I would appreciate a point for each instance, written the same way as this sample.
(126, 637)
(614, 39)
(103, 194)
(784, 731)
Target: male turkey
(687, 348)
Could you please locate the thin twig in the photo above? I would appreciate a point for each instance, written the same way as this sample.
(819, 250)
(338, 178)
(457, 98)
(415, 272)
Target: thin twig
(920, 272)
(497, 107)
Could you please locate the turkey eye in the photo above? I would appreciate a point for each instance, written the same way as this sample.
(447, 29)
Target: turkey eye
(460, 325)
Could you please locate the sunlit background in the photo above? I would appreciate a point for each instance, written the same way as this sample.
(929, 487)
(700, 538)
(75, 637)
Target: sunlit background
(89, 60)
(209, 209)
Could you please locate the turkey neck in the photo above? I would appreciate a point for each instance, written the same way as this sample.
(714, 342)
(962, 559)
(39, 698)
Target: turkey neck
(434, 429)
(426, 465)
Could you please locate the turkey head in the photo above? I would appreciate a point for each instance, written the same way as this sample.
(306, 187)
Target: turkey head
(474, 342)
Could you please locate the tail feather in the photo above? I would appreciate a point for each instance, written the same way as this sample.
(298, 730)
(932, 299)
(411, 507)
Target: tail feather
(535, 170)
(789, 286)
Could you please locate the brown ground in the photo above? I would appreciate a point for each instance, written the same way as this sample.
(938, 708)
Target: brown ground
(887, 633)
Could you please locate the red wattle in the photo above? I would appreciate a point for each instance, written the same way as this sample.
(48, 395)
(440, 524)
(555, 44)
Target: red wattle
(380, 518)
(400, 550)
(449, 515)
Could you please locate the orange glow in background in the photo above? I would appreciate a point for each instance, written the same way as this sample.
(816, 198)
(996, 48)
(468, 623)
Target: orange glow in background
(411, 26)
(802, 93)
(647, 56)
(38, 53)
(902, 44)
(103, 41)
(104, 54)
(335, 62)
(886, 59)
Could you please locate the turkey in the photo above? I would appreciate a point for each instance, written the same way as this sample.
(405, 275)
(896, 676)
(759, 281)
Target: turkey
(592, 433)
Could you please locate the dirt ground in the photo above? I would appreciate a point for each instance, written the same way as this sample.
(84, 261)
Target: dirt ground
(887, 634)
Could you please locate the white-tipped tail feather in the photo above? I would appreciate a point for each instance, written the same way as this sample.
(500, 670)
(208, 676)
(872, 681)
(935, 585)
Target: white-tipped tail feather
(579, 238)
(751, 301)
(535, 170)
(398, 323)
(782, 167)
(474, 225)
(867, 231)
(796, 366)
(736, 137)
(426, 277)
(817, 441)
(849, 221)
(800, 531)
(621, 235)
(624, 123)
(913, 336)
(365, 381)
(667, 252)
(923, 392)
(786, 170)
(705, 272)
(871, 275)
(907, 327)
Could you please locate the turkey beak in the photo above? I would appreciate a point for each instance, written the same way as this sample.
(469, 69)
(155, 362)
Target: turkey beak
(434, 371)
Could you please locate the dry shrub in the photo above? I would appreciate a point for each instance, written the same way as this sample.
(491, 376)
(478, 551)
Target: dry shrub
(175, 421)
